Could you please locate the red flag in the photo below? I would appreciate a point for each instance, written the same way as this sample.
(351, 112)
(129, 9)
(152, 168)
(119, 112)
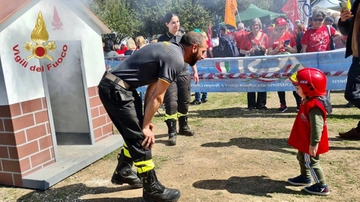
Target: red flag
(291, 10)
(209, 31)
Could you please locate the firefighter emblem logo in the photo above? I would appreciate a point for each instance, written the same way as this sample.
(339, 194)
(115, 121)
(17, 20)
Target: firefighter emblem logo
(39, 36)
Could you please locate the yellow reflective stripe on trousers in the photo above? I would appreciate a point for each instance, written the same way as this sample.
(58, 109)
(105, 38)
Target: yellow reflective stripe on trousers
(126, 151)
(144, 166)
(180, 114)
(173, 116)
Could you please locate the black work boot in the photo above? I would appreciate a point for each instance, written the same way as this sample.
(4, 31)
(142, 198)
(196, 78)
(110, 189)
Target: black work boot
(154, 191)
(184, 128)
(171, 124)
(124, 174)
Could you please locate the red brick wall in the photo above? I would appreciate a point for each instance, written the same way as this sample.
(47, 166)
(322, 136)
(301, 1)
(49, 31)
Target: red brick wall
(102, 124)
(25, 140)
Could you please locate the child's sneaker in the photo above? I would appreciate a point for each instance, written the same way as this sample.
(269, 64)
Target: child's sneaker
(300, 181)
(318, 189)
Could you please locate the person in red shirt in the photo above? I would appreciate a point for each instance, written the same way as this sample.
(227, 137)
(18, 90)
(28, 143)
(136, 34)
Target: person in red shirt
(283, 42)
(317, 38)
(238, 35)
(309, 134)
(123, 48)
(254, 44)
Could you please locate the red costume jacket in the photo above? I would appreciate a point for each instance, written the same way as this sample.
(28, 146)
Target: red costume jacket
(300, 133)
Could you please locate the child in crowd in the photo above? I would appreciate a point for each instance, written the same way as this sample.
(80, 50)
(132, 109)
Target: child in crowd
(309, 134)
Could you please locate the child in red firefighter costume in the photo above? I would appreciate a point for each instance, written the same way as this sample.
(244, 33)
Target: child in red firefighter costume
(309, 134)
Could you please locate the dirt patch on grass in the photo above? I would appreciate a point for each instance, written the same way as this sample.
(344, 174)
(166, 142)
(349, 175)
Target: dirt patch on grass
(236, 155)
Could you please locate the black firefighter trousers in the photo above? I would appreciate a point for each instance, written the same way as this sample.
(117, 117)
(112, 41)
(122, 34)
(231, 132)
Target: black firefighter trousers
(125, 110)
(177, 96)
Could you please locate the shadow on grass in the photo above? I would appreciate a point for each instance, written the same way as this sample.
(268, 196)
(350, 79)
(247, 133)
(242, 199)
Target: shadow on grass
(253, 185)
(235, 112)
(161, 136)
(345, 116)
(74, 191)
(269, 144)
(111, 200)
(344, 147)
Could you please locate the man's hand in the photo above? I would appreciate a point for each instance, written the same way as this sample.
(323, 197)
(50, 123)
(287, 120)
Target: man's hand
(313, 150)
(252, 50)
(151, 127)
(149, 140)
(196, 78)
(345, 14)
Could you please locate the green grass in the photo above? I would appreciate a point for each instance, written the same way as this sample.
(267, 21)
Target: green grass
(232, 149)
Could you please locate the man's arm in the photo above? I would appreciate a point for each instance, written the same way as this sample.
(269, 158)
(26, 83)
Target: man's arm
(317, 127)
(245, 52)
(337, 36)
(149, 91)
(153, 99)
(196, 76)
(304, 47)
(346, 21)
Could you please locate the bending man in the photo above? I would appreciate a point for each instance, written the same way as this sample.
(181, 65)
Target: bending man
(156, 65)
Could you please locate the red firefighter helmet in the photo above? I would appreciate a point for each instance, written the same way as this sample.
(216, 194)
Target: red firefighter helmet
(312, 81)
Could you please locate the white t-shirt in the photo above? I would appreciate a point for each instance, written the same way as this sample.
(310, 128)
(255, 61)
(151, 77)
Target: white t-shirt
(214, 42)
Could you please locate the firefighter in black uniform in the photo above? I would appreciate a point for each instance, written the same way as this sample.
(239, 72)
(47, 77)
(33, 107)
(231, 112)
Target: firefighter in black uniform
(177, 97)
(156, 65)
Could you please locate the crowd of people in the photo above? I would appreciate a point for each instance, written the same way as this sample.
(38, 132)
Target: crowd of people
(278, 37)
(163, 67)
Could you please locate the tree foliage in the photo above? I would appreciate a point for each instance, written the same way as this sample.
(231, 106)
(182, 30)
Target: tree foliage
(117, 15)
(192, 14)
(145, 17)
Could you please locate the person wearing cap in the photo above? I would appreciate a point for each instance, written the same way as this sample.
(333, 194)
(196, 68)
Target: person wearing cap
(226, 47)
(122, 49)
(329, 21)
(282, 42)
(224, 33)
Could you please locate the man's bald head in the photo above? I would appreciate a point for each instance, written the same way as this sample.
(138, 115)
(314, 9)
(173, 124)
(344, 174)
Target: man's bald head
(194, 45)
(192, 38)
(241, 25)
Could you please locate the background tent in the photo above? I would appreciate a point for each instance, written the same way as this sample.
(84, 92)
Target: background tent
(332, 4)
(255, 12)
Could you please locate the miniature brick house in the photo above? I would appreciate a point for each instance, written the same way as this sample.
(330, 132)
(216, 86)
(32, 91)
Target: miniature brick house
(52, 122)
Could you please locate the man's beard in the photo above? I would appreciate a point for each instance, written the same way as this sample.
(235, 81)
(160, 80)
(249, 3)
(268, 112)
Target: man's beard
(193, 59)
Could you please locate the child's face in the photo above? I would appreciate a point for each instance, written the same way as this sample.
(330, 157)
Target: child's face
(300, 92)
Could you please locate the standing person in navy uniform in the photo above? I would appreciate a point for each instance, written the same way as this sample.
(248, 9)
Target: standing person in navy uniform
(157, 66)
(177, 97)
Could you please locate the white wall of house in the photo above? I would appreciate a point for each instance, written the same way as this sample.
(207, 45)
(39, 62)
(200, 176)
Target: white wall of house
(20, 83)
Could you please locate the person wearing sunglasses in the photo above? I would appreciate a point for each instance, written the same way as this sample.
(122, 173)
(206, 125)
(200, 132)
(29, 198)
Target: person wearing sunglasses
(317, 38)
